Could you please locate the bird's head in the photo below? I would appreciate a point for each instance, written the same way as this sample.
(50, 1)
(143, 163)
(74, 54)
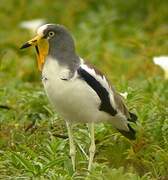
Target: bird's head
(51, 40)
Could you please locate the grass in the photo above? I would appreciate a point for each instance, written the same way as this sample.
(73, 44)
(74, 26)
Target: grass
(119, 39)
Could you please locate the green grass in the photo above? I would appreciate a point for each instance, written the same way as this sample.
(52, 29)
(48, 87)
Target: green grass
(120, 38)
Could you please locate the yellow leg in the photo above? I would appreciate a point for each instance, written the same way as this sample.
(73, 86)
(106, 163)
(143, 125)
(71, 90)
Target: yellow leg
(92, 145)
(71, 144)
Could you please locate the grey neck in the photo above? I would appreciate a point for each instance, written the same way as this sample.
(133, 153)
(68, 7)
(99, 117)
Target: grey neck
(63, 51)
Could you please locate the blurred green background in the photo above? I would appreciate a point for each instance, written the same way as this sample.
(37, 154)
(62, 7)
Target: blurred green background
(120, 38)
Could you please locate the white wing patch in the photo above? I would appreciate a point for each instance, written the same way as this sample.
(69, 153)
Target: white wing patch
(101, 79)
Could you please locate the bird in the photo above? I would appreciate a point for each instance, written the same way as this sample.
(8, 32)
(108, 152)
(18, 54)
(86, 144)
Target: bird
(78, 91)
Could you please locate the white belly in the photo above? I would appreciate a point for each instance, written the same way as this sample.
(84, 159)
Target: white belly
(73, 99)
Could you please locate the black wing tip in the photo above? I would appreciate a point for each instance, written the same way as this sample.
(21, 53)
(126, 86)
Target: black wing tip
(131, 134)
(133, 117)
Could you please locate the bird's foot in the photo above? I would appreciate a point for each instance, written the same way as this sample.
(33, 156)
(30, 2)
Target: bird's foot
(92, 153)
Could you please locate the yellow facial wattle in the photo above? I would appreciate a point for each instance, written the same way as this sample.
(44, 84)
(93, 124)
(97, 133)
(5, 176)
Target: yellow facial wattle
(42, 48)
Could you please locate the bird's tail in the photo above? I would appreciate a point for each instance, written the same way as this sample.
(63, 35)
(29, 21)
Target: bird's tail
(131, 134)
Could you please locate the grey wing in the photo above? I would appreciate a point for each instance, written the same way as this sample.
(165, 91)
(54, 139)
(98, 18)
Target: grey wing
(111, 102)
(101, 91)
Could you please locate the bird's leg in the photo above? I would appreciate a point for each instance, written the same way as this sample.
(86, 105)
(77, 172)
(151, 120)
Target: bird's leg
(92, 145)
(71, 144)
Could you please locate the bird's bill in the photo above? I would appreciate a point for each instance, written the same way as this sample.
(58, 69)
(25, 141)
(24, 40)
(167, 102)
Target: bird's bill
(32, 42)
(42, 47)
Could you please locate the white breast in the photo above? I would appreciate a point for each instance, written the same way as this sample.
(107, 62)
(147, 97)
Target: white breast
(74, 100)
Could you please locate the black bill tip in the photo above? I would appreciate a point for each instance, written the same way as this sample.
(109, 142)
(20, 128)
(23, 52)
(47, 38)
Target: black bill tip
(26, 45)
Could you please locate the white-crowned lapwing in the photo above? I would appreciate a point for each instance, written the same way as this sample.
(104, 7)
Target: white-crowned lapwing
(77, 91)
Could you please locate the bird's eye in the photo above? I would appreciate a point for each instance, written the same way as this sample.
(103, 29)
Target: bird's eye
(51, 33)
